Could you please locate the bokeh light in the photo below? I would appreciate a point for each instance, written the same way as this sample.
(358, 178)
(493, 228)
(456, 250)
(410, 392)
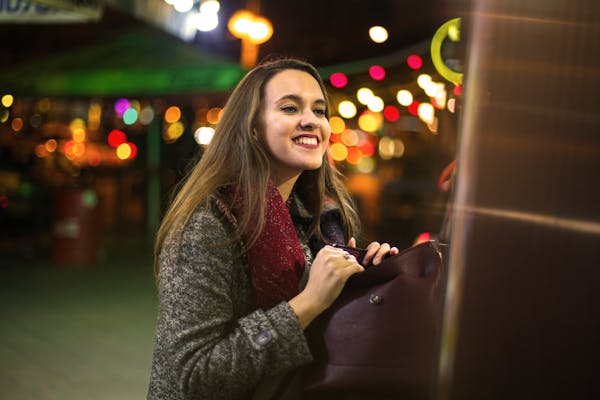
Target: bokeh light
(146, 115)
(375, 104)
(172, 114)
(214, 115)
(347, 109)
(338, 151)
(17, 124)
(404, 97)
(354, 156)
(350, 137)
(338, 80)
(413, 108)
(337, 124)
(426, 112)
(414, 61)
(7, 100)
(116, 138)
(123, 151)
(366, 165)
(370, 121)
(51, 145)
(378, 34)
(364, 95)
(210, 6)
(130, 116)
(377, 72)
(391, 113)
(204, 135)
(121, 105)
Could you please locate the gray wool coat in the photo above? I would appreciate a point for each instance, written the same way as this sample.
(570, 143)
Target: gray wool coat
(209, 343)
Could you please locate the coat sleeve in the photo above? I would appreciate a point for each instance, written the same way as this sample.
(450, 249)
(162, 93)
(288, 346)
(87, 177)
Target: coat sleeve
(212, 352)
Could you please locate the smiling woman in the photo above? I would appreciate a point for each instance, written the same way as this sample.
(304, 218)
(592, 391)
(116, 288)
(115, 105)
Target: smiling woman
(243, 255)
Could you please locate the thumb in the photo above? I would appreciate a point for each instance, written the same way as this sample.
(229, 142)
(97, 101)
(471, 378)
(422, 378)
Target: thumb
(352, 242)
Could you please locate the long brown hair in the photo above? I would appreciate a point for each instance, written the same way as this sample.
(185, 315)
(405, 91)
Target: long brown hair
(236, 159)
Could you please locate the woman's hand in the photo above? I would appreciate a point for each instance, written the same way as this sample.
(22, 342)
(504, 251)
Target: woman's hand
(329, 272)
(375, 251)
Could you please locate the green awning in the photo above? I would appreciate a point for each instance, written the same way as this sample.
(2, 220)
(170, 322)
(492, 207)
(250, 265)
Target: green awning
(145, 61)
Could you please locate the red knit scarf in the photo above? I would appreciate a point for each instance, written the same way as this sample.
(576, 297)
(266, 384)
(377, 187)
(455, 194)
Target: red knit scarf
(276, 259)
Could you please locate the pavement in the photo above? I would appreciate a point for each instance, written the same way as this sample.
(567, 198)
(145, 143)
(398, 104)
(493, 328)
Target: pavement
(77, 332)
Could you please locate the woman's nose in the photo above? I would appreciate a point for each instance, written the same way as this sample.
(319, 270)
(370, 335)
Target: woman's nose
(309, 120)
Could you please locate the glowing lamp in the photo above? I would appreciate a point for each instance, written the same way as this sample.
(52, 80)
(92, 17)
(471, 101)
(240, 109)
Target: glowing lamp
(239, 23)
(260, 30)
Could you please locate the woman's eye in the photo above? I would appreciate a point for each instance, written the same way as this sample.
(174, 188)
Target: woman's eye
(319, 111)
(289, 109)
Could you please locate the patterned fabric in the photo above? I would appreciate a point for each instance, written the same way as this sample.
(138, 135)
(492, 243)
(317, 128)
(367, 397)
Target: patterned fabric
(276, 259)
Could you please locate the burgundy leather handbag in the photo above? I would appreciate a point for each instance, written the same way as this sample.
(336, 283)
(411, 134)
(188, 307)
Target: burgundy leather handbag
(381, 335)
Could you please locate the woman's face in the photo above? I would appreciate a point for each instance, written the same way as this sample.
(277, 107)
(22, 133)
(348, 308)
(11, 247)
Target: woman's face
(293, 124)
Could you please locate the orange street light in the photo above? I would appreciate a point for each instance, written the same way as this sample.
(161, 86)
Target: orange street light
(253, 30)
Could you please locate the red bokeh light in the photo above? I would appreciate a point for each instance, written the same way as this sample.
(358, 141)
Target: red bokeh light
(338, 80)
(367, 148)
(414, 61)
(116, 137)
(391, 113)
(377, 72)
(133, 148)
(414, 108)
(457, 90)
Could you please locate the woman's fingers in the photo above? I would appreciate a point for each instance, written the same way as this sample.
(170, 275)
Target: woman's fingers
(376, 252)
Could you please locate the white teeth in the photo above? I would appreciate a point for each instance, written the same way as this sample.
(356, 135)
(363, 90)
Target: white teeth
(311, 141)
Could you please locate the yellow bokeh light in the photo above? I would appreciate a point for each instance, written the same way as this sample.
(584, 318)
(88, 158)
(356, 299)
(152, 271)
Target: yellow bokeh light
(123, 151)
(4, 114)
(386, 148)
(423, 81)
(398, 148)
(404, 97)
(77, 123)
(376, 104)
(370, 122)
(174, 131)
(260, 30)
(347, 109)
(337, 124)
(240, 22)
(350, 137)
(426, 112)
(7, 100)
(366, 165)
(378, 34)
(214, 115)
(172, 114)
(339, 152)
(78, 135)
(364, 95)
